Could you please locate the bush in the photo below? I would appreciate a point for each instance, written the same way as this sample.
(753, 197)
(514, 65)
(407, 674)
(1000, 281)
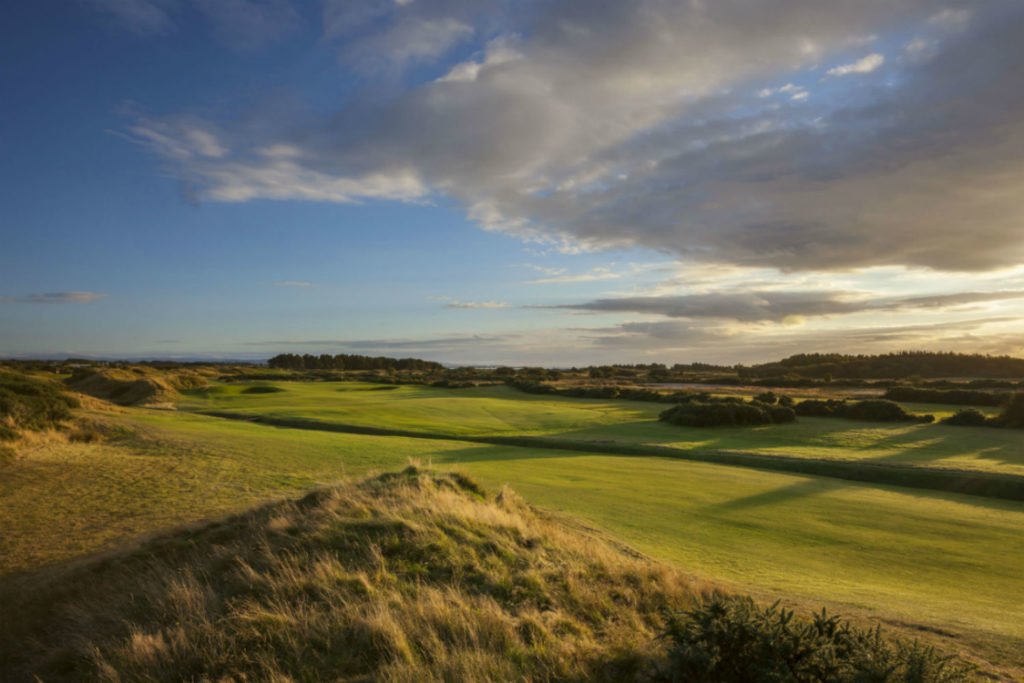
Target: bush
(1013, 414)
(732, 640)
(815, 408)
(872, 411)
(768, 397)
(724, 412)
(956, 397)
(970, 417)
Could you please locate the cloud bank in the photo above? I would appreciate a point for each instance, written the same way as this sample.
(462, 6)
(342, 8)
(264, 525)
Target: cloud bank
(595, 125)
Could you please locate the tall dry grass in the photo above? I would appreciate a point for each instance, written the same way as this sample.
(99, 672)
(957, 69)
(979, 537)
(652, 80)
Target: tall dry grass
(406, 577)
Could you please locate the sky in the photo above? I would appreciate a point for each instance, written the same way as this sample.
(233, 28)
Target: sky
(525, 182)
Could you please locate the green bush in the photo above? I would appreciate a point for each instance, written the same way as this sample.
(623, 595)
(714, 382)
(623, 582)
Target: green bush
(725, 413)
(970, 417)
(871, 410)
(1013, 413)
(732, 640)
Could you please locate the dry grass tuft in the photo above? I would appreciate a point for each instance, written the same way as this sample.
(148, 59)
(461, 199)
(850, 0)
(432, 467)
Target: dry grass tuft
(413, 576)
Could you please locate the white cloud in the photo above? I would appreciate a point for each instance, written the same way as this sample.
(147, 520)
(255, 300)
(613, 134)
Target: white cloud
(455, 303)
(864, 65)
(593, 275)
(295, 283)
(640, 124)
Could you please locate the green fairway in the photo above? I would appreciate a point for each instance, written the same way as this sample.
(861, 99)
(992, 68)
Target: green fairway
(907, 557)
(919, 557)
(503, 411)
(475, 411)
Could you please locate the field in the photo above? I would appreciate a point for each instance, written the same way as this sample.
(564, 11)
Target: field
(502, 411)
(939, 565)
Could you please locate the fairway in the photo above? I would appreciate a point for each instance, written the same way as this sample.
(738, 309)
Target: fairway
(908, 558)
(499, 410)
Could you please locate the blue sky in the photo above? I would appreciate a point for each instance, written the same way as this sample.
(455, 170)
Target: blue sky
(497, 182)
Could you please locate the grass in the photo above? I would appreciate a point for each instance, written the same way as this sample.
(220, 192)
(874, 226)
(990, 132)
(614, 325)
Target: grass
(502, 411)
(943, 565)
(935, 561)
(407, 577)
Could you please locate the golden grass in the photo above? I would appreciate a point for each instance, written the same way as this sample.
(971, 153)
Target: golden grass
(405, 577)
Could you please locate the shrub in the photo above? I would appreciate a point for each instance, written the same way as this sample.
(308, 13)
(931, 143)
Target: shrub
(815, 408)
(1013, 414)
(733, 640)
(957, 397)
(970, 417)
(872, 411)
(725, 412)
(768, 397)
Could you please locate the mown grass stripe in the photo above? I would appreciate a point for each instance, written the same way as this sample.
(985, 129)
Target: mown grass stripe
(985, 484)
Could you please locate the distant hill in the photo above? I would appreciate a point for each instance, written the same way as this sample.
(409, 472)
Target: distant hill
(900, 365)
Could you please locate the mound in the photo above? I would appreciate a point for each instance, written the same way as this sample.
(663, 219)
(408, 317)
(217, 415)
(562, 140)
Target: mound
(134, 386)
(413, 576)
(410, 576)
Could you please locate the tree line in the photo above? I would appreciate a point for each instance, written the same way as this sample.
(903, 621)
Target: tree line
(348, 361)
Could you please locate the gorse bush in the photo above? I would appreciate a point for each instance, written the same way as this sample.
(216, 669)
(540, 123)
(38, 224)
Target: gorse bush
(1013, 413)
(871, 411)
(723, 413)
(1012, 416)
(970, 417)
(956, 397)
(728, 639)
(32, 404)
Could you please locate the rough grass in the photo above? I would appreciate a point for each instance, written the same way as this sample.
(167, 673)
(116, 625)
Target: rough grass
(411, 576)
(406, 577)
(138, 385)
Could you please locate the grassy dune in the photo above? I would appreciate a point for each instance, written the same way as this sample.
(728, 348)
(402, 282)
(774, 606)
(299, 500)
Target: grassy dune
(408, 577)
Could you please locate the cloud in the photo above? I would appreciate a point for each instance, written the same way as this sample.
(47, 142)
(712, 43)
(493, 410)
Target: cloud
(406, 43)
(250, 25)
(619, 125)
(780, 305)
(56, 298)
(242, 25)
(558, 276)
(295, 283)
(864, 65)
(143, 17)
(476, 304)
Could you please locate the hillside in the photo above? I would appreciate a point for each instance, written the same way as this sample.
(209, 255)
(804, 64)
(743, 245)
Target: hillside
(412, 576)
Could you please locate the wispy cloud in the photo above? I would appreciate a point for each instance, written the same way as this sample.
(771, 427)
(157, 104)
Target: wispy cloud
(144, 17)
(294, 283)
(663, 143)
(592, 275)
(781, 305)
(476, 304)
(864, 65)
(75, 297)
